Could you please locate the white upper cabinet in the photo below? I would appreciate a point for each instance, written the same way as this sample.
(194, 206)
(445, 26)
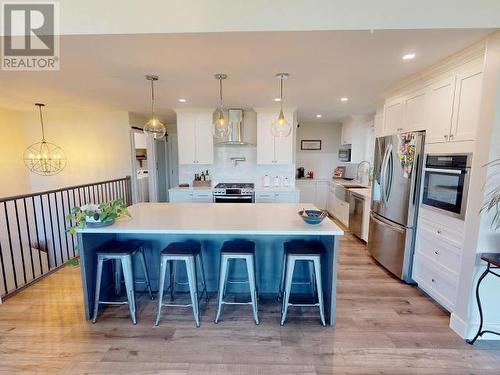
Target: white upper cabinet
(393, 116)
(440, 99)
(415, 111)
(195, 137)
(447, 108)
(355, 131)
(346, 134)
(467, 104)
(272, 150)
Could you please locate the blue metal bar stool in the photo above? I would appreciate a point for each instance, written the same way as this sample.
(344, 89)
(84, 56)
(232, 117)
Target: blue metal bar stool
(188, 252)
(120, 253)
(300, 250)
(233, 250)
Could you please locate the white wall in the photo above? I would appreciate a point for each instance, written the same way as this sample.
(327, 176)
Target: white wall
(224, 170)
(325, 161)
(97, 147)
(321, 162)
(86, 17)
(14, 177)
(478, 236)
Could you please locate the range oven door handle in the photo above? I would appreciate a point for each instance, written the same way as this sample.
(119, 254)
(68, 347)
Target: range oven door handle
(245, 197)
(449, 171)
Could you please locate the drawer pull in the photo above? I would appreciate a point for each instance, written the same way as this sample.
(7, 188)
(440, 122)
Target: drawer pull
(433, 280)
(436, 252)
(439, 231)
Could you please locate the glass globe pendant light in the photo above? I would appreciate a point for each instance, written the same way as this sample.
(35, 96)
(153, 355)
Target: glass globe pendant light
(281, 127)
(44, 158)
(221, 126)
(154, 127)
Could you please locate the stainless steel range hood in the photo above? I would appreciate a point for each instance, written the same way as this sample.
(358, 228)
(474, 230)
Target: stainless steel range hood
(236, 134)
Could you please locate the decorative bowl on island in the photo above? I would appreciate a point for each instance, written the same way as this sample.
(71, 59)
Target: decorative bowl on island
(312, 216)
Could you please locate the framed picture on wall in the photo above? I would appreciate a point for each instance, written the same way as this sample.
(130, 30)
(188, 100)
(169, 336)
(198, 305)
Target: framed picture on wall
(310, 145)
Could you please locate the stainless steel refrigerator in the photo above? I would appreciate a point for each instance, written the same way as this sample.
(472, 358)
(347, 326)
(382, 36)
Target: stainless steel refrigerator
(395, 199)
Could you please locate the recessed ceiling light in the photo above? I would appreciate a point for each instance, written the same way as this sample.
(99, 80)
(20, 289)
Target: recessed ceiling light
(344, 99)
(277, 99)
(409, 56)
(319, 116)
(181, 100)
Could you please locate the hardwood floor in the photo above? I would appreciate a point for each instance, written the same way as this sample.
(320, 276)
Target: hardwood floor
(383, 327)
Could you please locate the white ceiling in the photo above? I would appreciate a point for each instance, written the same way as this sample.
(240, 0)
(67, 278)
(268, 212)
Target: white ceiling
(107, 71)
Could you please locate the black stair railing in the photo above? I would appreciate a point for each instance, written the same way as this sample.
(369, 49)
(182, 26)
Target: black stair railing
(33, 236)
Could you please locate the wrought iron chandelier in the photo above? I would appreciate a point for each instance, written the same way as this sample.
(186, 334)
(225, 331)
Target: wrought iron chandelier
(44, 158)
(154, 127)
(281, 127)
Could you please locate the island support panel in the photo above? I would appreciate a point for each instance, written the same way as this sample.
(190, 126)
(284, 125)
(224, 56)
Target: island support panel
(268, 254)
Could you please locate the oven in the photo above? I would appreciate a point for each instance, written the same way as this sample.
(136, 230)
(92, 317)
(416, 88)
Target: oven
(345, 154)
(233, 198)
(234, 193)
(446, 183)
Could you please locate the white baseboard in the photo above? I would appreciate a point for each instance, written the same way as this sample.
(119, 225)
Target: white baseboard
(468, 330)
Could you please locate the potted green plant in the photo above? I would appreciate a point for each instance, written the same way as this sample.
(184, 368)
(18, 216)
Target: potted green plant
(94, 215)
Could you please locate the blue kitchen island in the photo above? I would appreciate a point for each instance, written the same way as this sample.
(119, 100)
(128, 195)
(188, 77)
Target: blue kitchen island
(268, 225)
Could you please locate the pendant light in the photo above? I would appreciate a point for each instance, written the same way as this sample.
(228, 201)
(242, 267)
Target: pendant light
(44, 158)
(154, 127)
(221, 126)
(281, 127)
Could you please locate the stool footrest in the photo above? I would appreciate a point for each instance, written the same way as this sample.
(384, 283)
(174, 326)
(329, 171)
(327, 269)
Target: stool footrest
(113, 302)
(236, 303)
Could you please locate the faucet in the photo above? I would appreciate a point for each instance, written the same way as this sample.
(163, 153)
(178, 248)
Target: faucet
(357, 171)
(238, 159)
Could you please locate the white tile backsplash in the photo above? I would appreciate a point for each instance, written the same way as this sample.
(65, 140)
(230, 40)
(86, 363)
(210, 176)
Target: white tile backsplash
(224, 170)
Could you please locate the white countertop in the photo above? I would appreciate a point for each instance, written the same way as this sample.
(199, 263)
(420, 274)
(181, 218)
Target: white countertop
(362, 192)
(219, 218)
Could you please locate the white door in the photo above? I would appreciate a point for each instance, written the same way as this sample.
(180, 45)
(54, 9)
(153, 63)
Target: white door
(440, 110)
(393, 116)
(204, 138)
(265, 140)
(467, 104)
(186, 137)
(321, 194)
(307, 191)
(415, 111)
(346, 134)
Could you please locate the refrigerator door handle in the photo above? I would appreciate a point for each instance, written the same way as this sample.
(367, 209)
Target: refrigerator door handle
(383, 174)
(386, 223)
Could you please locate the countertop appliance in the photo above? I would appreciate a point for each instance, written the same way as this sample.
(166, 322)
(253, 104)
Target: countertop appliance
(446, 183)
(356, 206)
(395, 199)
(345, 154)
(234, 193)
(301, 172)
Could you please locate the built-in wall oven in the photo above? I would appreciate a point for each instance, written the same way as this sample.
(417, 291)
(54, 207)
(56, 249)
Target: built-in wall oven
(446, 183)
(345, 154)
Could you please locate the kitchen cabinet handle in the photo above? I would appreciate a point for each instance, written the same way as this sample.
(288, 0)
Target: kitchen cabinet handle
(433, 280)
(436, 252)
(451, 136)
(438, 231)
(446, 136)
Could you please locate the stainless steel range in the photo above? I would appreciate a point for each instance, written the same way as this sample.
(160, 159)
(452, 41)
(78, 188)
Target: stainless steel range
(234, 193)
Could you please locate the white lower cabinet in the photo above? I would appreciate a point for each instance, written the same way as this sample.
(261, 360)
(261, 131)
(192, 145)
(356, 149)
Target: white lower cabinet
(314, 191)
(436, 266)
(338, 204)
(190, 196)
(277, 196)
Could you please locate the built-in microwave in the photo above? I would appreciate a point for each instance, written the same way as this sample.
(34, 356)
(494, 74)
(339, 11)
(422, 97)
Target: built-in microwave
(345, 154)
(446, 183)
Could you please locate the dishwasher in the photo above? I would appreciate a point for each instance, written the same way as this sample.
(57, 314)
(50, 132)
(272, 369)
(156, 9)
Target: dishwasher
(356, 206)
